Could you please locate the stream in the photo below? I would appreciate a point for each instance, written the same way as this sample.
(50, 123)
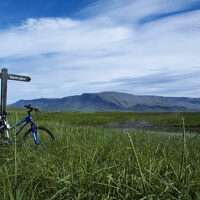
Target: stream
(139, 126)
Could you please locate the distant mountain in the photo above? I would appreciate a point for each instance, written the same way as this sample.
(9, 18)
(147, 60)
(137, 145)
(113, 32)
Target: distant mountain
(108, 101)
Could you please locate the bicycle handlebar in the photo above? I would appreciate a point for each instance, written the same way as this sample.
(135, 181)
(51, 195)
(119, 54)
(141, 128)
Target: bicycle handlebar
(30, 108)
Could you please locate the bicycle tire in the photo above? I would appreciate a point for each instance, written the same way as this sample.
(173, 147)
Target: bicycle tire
(41, 132)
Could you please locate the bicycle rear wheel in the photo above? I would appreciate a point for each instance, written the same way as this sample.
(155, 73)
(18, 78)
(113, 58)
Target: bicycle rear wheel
(45, 136)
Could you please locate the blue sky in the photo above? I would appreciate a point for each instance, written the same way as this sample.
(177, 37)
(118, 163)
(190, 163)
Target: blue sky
(69, 47)
(13, 12)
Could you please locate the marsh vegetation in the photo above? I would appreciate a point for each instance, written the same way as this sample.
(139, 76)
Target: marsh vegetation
(93, 162)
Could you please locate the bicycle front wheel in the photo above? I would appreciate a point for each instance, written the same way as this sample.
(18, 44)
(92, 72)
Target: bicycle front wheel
(45, 136)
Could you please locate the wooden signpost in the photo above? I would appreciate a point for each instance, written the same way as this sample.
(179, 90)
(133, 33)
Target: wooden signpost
(4, 77)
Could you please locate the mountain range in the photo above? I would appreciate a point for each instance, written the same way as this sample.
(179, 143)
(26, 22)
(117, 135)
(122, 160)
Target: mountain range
(114, 101)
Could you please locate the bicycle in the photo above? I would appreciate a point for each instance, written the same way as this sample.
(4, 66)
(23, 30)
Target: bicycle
(38, 132)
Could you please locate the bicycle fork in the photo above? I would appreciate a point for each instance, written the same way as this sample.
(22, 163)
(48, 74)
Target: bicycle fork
(35, 135)
(5, 129)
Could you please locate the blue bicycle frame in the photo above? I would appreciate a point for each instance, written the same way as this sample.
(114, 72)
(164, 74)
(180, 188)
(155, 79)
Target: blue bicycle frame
(25, 122)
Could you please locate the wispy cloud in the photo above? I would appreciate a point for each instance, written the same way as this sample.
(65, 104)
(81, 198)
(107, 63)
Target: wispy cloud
(66, 56)
(158, 84)
(137, 11)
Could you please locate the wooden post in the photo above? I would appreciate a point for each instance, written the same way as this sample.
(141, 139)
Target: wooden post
(4, 78)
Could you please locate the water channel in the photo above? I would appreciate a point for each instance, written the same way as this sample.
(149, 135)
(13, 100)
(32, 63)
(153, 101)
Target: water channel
(138, 126)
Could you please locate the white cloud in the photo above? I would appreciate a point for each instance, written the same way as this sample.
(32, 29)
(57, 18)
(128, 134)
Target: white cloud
(36, 37)
(130, 11)
(65, 56)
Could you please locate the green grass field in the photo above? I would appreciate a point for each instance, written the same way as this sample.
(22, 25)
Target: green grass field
(86, 162)
(192, 119)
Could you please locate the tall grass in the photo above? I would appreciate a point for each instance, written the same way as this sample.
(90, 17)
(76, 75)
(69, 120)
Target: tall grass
(96, 163)
(182, 152)
(138, 164)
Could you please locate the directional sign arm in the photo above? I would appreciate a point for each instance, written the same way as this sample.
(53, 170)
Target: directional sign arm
(18, 78)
